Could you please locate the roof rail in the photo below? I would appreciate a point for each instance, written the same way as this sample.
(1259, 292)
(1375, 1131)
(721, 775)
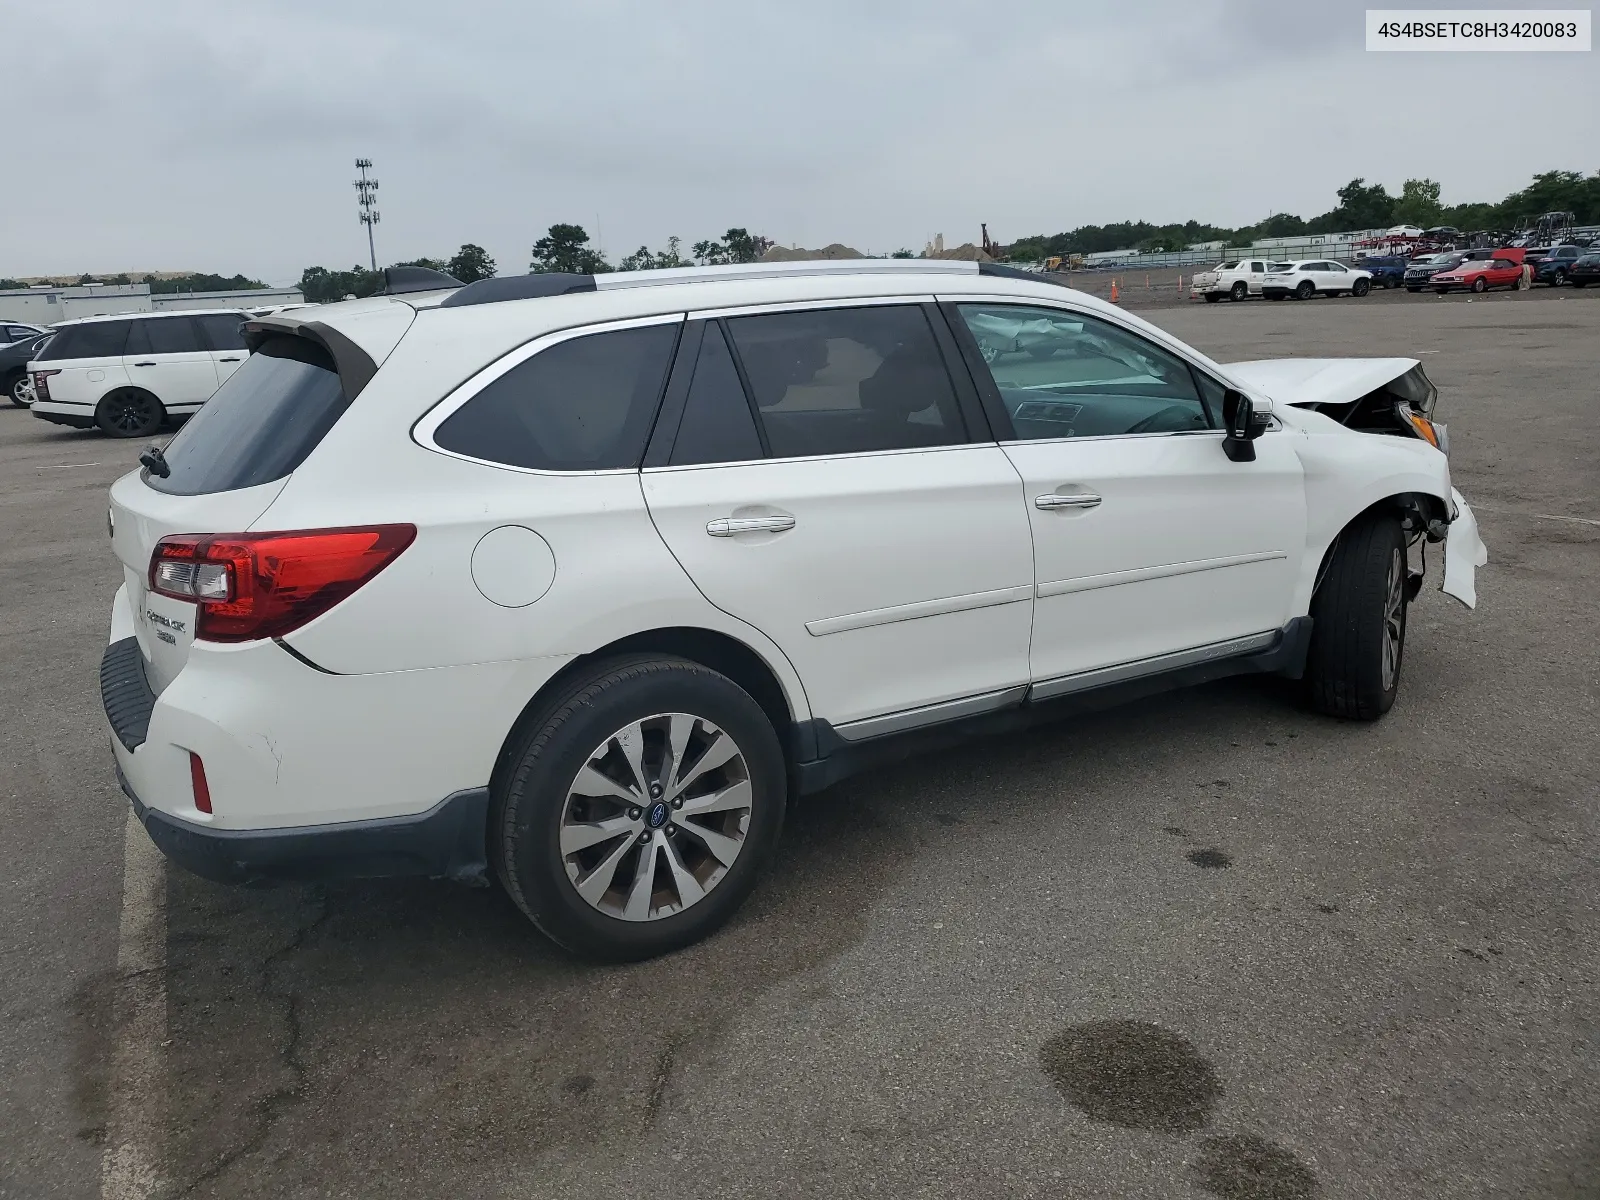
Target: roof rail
(786, 270)
(520, 287)
(399, 280)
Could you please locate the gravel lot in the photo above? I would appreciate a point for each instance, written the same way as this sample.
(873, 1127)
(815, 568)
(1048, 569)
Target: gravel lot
(1206, 945)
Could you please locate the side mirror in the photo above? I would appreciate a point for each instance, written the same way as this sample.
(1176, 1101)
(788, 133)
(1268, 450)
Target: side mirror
(1241, 425)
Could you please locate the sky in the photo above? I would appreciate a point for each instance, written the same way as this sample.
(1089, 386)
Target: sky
(207, 136)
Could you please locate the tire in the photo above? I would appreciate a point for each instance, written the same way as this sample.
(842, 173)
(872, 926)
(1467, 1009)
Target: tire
(1361, 287)
(1578, 283)
(1480, 285)
(650, 701)
(1306, 290)
(1442, 291)
(1275, 296)
(1213, 297)
(1358, 626)
(1238, 291)
(14, 385)
(129, 413)
(1413, 289)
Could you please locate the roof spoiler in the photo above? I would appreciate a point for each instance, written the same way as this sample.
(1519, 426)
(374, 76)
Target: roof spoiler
(355, 365)
(399, 280)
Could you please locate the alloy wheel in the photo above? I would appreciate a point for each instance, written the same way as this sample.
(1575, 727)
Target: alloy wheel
(655, 817)
(1394, 618)
(131, 414)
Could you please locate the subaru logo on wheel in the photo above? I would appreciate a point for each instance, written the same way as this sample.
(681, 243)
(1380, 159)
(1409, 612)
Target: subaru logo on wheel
(657, 816)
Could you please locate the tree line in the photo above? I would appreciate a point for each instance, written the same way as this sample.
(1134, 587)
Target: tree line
(1361, 206)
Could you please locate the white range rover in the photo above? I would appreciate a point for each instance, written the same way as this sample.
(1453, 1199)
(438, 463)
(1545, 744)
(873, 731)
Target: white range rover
(573, 582)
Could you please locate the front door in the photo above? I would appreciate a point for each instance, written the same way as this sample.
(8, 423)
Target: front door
(165, 356)
(846, 507)
(1148, 540)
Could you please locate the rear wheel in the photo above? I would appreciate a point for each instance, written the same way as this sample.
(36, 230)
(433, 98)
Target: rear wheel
(1306, 290)
(1358, 631)
(1239, 291)
(639, 809)
(1360, 288)
(17, 388)
(129, 413)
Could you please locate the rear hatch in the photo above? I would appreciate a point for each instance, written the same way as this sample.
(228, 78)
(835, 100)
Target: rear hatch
(223, 471)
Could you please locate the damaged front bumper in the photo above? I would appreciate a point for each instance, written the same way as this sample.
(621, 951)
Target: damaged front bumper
(1464, 552)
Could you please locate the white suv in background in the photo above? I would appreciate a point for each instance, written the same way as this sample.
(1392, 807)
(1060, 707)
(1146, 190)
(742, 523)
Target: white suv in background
(1315, 277)
(126, 374)
(571, 582)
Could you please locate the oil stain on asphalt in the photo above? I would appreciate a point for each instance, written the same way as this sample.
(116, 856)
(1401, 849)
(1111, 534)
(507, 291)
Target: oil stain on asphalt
(1133, 1074)
(1244, 1167)
(1210, 858)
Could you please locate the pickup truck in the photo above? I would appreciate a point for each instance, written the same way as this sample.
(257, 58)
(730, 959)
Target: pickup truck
(1234, 279)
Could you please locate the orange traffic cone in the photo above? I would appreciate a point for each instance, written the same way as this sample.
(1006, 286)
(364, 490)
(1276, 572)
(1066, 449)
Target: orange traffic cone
(1113, 291)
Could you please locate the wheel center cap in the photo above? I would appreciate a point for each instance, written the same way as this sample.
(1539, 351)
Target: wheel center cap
(656, 815)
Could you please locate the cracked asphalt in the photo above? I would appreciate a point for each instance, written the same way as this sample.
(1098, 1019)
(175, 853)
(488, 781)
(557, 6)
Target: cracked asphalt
(1207, 945)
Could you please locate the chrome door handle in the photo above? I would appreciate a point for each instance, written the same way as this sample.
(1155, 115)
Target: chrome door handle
(728, 526)
(1074, 500)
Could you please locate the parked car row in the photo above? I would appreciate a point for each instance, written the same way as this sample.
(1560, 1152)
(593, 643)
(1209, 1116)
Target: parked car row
(1475, 270)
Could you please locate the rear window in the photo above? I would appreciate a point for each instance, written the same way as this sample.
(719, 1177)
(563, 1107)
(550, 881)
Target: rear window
(585, 404)
(97, 339)
(1227, 266)
(259, 425)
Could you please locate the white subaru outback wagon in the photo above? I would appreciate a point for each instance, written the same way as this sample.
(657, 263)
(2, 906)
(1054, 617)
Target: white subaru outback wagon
(573, 582)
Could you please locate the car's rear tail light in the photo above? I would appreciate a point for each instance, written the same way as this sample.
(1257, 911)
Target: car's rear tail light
(41, 384)
(248, 586)
(197, 777)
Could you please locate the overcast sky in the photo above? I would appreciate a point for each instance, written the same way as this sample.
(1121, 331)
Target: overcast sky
(201, 135)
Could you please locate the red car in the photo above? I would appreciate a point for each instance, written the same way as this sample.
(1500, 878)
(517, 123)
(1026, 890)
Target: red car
(1481, 274)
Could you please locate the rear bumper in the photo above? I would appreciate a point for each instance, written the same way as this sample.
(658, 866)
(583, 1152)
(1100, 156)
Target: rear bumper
(446, 842)
(58, 412)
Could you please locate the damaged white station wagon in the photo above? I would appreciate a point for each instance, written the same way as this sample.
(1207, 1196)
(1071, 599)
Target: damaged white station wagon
(573, 582)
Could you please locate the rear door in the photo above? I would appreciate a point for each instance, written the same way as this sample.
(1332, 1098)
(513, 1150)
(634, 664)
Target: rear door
(165, 357)
(225, 341)
(1148, 541)
(851, 505)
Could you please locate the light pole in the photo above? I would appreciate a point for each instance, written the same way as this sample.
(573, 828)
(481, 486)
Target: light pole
(367, 202)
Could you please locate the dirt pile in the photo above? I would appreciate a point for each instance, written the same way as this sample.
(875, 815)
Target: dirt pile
(797, 254)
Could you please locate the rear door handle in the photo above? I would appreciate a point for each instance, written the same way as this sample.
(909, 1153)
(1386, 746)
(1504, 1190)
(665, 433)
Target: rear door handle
(728, 526)
(1073, 500)
(235, 359)
(144, 364)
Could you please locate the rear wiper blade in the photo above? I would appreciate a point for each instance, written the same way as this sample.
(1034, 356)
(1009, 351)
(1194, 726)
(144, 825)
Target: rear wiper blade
(154, 461)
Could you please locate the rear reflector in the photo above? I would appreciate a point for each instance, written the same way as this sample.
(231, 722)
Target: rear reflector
(197, 776)
(249, 586)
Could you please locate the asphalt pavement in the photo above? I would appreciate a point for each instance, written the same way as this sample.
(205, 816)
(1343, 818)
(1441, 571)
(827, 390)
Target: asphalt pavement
(1207, 945)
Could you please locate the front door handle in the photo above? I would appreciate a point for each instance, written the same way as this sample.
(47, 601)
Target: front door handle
(235, 359)
(1071, 500)
(144, 364)
(728, 526)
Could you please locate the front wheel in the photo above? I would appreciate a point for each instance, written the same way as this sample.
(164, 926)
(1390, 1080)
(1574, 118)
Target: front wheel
(1578, 283)
(1358, 630)
(1212, 297)
(1480, 285)
(1306, 290)
(639, 808)
(1360, 288)
(129, 413)
(1413, 289)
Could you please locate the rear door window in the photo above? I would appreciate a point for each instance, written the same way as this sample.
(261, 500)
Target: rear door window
(848, 380)
(96, 339)
(717, 425)
(259, 425)
(584, 404)
(163, 335)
